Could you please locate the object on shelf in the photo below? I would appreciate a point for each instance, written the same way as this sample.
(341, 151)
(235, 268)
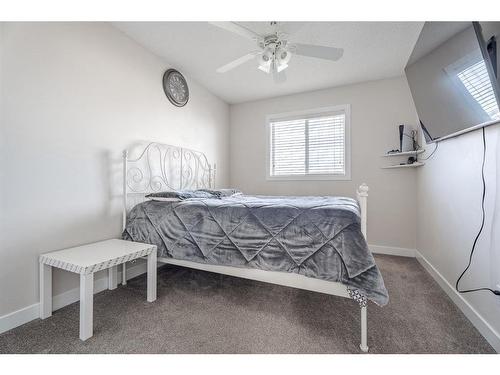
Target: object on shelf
(408, 146)
(397, 151)
(407, 138)
(406, 153)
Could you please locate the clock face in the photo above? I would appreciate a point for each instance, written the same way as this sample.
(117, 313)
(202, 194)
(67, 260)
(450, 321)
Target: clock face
(175, 87)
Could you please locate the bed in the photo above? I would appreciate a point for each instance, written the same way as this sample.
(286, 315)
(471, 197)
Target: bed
(311, 243)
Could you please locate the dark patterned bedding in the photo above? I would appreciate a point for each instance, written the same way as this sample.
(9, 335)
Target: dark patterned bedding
(318, 237)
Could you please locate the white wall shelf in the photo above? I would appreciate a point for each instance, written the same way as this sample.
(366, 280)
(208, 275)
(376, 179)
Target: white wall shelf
(414, 165)
(406, 153)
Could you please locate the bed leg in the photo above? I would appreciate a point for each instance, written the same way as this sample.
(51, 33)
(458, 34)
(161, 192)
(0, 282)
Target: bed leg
(364, 331)
(362, 195)
(124, 274)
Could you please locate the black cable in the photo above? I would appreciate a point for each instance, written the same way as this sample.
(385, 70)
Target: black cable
(433, 151)
(419, 147)
(496, 292)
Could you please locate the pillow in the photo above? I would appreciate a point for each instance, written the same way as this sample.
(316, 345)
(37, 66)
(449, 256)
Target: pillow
(221, 193)
(181, 194)
(161, 199)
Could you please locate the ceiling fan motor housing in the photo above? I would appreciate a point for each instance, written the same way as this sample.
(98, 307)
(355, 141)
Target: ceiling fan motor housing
(275, 55)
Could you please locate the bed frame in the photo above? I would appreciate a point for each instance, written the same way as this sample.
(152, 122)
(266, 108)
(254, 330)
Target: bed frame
(157, 167)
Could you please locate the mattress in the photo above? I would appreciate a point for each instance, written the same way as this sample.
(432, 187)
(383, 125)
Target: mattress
(318, 237)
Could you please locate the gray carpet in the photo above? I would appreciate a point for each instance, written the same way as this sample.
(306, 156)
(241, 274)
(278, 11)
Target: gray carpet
(201, 312)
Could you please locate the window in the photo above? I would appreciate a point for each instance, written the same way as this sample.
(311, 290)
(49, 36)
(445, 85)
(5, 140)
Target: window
(471, 76)
(309, 145)
(476, 80)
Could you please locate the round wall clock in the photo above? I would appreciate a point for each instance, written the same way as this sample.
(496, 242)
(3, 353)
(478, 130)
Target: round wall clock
(175, 87)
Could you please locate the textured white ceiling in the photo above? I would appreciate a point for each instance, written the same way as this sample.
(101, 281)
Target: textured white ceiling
(434, 34)
(372, 50)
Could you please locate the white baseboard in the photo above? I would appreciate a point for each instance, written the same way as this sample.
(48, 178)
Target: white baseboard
(488, 332)
(19, 317)
(29, 313)
(388, 250)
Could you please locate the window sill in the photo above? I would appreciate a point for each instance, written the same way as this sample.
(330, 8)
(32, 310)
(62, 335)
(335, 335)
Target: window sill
(310, 178)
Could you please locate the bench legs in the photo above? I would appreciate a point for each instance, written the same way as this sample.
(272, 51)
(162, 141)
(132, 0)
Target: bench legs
(86, 305)
(124, 274)
(45, 291)
(152, 276)
(87, 292)
(364, 330)
(112, 277)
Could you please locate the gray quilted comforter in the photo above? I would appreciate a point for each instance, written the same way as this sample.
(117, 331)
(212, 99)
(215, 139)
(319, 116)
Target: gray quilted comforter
(318, 237)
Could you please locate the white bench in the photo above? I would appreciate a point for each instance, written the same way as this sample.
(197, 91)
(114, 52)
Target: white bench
(87, 259)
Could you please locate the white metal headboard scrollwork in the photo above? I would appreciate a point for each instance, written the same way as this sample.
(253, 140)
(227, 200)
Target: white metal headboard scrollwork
(162, 167)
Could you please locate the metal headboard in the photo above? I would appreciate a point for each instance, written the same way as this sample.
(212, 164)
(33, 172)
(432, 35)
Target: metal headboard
(162, 167)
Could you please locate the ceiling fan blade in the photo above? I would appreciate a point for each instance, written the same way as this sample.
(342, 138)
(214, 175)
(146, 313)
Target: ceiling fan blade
(233, 64)
(237, 29)
(279, 77)
(320, 52)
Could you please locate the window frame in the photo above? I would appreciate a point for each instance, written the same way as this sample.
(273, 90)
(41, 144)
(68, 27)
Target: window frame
(346, 108)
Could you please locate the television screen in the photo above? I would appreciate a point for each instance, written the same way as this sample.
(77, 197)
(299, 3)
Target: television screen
(452, 79)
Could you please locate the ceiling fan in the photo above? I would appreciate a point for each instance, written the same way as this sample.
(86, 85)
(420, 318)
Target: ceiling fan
(275, 51)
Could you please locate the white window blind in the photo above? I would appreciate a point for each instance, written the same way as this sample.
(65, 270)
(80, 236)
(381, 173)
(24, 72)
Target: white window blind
(312, 145)
(477, 82)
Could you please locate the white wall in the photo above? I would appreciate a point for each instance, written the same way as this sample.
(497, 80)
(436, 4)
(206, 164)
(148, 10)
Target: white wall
(75, 95)
(449, 192)
(377, 108)
(1, 111)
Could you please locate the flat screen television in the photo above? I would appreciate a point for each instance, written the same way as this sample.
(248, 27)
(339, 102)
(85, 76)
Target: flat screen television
(452, 78)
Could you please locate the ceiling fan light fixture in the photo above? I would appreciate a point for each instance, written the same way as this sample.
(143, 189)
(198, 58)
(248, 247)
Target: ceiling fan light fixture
(283, 56)
(266, 68)
(266, 60)
(267, 55)
(281, 66)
